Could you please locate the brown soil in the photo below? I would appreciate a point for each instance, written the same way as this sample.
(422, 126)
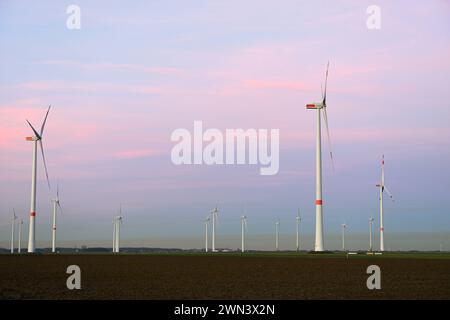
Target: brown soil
(220, 277)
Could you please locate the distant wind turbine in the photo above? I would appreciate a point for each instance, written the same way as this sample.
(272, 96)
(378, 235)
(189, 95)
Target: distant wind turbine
(370, 233)
(56, 205)
(114, 235)
(319, 244)
(344, 226)
(215, 216)
(207, 222)
(382, 188)
(118, 223)
(13, 226)
(277, 232)
(243, 226)
(297, 220)
(19, 246)
(36, 138)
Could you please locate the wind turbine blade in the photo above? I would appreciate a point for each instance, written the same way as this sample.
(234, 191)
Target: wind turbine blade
(57, 191)
(43, 159)
(326, 80)
(60, 208)
(389, 194)
(45, 120)
(34, 130)
(325, 117)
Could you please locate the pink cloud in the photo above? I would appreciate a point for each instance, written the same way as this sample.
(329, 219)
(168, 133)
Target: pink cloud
(136, 153)
(114, 66)
(274, 84)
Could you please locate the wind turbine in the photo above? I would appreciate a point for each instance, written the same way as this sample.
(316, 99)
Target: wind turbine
(20, 236)
(215, 216)
(118, 223)
(243, 225)
(56, 205)
(319, 245)
(370, 233)
(382, 188)
(13, 226)
(114, 235)
(277, 231)
(36, 138)
(298, 220)
(344, 226)
(207, 222)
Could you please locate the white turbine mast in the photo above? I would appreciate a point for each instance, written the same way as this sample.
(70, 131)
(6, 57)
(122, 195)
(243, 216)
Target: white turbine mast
(382, 188)
(13, 226)
(277, 234)
(118, 222)
(56, 205)
(243, 230)
(319, 243)
(114, 235)
(370, 233)
(207, 222)
(344, 226)
(298, 219)
(37, 138)
(215, 216)
(19, 240)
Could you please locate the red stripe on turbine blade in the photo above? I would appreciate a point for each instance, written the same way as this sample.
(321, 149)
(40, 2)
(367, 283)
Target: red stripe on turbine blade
(33, 214)
(318, 202)
(310, 106)
(381, 229)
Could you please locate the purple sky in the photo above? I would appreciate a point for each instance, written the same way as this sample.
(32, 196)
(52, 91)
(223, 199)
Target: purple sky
(132, 74)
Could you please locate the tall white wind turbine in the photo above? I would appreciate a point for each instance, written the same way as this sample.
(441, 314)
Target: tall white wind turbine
(298, 219)
(118, 223)
(56, 205)
(277, 234)
(382, 188)
(215, 216)
(19, 245)
(207, 222)
(370, 233)
(37, 138)
(319, 244)
(243, 226)
(13, 226)
(344, 226)
(114, 235)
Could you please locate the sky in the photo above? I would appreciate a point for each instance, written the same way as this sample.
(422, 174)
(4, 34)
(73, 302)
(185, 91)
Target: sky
(132, 74)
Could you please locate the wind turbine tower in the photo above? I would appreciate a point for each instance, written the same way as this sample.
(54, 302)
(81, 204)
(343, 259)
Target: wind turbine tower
(19, 246)
(207, 222)
(382, 188)
(320, 106)
(56, 205)
(243, 226)
(37, 138)
(215, 215)
(13, 226)
(370, 233)
(277, 233)
(344, 226)
(297, 220)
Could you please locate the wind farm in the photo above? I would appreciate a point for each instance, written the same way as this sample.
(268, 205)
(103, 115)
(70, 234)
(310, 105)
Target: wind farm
(194, 157)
